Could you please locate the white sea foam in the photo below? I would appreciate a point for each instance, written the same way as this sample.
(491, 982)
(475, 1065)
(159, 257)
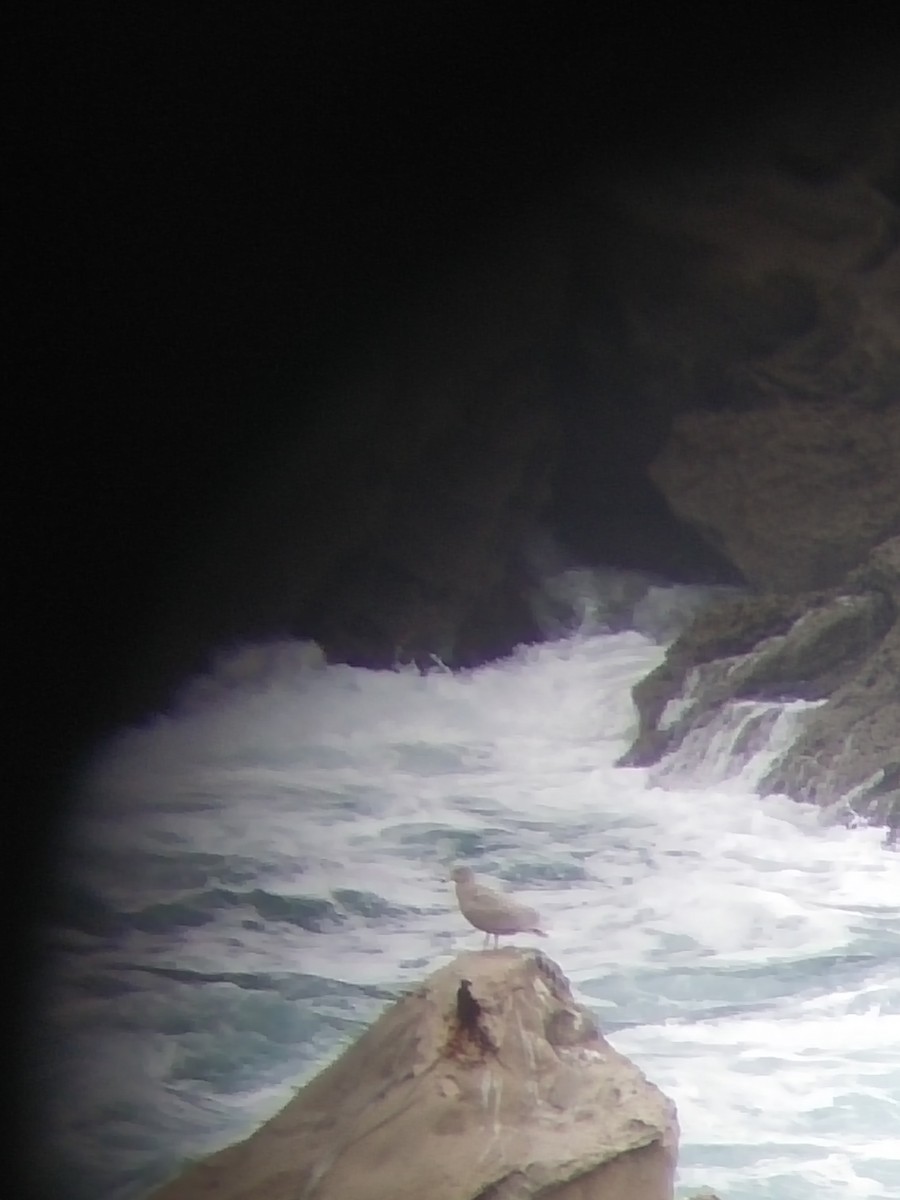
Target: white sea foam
(287, 836)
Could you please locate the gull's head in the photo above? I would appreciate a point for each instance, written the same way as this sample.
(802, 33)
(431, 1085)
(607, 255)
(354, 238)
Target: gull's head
(462, 874)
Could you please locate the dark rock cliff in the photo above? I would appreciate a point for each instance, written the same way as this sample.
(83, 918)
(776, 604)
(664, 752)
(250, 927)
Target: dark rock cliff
(691, 369)
(694, 373)
(346, 314)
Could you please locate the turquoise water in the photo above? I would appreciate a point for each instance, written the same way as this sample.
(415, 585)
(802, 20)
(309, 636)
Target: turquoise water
(252, 880)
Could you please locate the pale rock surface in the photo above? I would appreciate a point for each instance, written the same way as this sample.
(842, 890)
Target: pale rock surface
(498, 1088)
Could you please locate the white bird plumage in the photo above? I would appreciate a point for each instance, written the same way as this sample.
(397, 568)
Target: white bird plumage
(491, 911)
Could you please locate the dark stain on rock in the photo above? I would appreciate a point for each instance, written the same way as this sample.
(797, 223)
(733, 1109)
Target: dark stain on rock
(468, 1035)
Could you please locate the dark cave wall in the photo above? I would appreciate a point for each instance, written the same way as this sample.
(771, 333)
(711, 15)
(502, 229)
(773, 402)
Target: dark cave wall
(692, 371)
(390, 523)
(390, 308)
(695, 373)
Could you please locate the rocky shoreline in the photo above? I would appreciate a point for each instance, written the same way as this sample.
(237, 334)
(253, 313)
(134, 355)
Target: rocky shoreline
(839, 646)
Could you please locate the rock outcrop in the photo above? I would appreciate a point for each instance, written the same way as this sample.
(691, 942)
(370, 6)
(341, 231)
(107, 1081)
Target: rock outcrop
(772, 341)
(488, 1081)
(762, 292)
(848, 752)
(840, 647)
(794, 494)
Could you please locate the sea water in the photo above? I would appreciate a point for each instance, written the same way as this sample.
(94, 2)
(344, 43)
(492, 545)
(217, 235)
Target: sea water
(252, 878)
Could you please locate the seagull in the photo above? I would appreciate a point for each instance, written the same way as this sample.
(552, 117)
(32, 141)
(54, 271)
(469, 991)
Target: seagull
(490, 910)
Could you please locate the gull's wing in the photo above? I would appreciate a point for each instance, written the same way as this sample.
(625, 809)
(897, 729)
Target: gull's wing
(494, 906)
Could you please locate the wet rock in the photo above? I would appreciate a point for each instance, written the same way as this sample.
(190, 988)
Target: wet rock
(486, 1081)
(754, 648)
(841, 647)
(847, 753)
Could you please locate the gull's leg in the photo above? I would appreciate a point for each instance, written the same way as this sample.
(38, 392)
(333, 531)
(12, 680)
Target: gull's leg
(486, 942)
